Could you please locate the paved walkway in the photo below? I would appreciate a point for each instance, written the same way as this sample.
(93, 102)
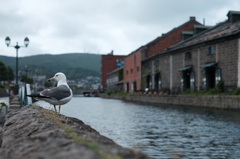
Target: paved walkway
(3, 113)
(12, 104)
(5, 100)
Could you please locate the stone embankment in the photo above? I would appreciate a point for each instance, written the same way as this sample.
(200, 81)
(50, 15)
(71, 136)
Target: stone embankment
(228, 102)
(34, 132)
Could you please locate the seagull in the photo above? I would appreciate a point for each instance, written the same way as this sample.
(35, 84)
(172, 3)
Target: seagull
(59, 95)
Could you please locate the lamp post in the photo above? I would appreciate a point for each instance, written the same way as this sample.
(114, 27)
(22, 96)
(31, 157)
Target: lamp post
(26, 42)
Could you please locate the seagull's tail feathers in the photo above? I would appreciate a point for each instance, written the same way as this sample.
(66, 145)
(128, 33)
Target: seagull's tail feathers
(37, 96)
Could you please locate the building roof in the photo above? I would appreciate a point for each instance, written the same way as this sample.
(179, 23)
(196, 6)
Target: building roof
(221, 30)
(174, 29)
(191, 19)
(115, 71)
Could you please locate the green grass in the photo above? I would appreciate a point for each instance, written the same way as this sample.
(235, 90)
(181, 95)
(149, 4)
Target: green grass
(218, 90)
(212, 91)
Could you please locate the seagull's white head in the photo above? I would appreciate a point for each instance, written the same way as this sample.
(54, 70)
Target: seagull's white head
(60, 78)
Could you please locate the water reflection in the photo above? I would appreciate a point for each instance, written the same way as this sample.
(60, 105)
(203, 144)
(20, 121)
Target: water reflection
(161, 131)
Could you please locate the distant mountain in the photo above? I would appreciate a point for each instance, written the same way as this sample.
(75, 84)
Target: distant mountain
(74, 65)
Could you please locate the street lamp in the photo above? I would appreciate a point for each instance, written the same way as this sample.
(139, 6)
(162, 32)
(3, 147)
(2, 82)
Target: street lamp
(26, 42)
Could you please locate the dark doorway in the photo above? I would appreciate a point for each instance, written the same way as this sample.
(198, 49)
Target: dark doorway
(127, 87)
(210, 77)
(156, 81)
(149, 82)
(134, 86)
(186, 79)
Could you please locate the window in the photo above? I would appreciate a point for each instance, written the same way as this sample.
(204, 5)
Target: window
(211, 50)
(127, 72)
(147, 65)
(156, 63)
(131, 70)
(137, 69)
(187, 55)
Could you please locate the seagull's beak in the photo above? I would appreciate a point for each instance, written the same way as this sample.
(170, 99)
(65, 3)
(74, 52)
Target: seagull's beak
(50, 79)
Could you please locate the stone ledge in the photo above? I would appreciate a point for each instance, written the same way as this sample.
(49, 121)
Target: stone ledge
(35, 132)
(228, 102)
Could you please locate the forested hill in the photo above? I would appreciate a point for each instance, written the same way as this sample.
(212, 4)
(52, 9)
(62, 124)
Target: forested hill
(74, 65)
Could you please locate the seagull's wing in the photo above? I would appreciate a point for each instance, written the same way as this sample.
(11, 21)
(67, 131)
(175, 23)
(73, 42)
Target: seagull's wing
(58, 93)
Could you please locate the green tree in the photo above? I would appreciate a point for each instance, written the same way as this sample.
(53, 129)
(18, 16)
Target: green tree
(3, 72)
(25, 79)
(10, 74)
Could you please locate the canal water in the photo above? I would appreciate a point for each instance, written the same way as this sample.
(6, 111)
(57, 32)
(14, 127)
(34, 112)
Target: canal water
(161, 131)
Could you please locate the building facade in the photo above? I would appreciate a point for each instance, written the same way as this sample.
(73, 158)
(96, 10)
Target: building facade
(191, 56)
(132, 71)
(200, 61)
(115, 80)
(151, 75)
(109, 63)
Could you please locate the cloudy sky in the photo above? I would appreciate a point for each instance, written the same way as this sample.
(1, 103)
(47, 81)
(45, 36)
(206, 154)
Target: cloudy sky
(99, 26)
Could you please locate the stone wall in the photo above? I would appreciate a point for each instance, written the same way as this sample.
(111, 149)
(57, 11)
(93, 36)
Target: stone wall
(214, 101)
(34, 132)
(228, 62)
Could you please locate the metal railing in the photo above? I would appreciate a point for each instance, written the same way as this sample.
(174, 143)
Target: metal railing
(23, 99)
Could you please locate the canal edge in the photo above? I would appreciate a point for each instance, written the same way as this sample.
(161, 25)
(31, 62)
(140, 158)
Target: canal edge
(211, 101)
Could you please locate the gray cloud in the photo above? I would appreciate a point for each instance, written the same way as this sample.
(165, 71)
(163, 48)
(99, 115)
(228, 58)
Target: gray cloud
(99, 26)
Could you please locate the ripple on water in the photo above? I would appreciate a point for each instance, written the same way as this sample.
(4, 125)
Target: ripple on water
(161, 131)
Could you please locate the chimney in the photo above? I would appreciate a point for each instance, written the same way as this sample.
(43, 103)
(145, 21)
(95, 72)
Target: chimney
(111, 53)
(192, 19)
(233, 16)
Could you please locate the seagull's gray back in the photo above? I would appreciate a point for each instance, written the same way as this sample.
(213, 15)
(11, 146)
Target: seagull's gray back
(58, 93)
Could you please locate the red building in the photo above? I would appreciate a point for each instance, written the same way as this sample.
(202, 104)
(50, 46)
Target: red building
(109, 63)
(173, 37)
(132, 71)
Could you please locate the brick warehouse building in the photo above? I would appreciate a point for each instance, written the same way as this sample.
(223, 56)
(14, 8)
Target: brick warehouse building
(109, 63)
(132, 63)
(132, 71)
(160, 44)
(200, 61)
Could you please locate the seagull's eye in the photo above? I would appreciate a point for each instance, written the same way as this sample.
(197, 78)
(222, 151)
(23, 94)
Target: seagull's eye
(56, 75)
